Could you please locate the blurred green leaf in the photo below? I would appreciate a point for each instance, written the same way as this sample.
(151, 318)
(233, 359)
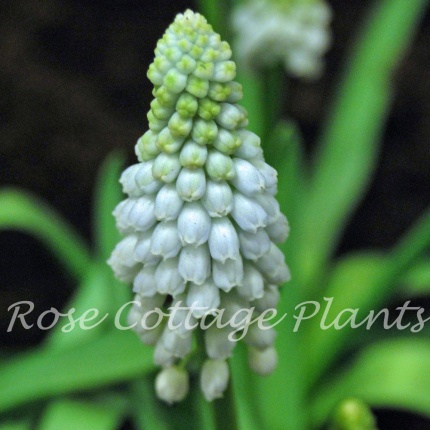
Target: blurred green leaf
(391, 374)
(347, 153)
(416, 280)
(23, 212)
(363, 282)
(217, 14)
(116, 356)
(21, 424)
(108, 194)
(94, 292)
(83, 415)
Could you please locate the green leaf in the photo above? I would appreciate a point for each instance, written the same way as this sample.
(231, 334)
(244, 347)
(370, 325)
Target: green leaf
(363, 282)
(23, 212)
(95, 292)
(108, 194)
(417, 280)
(347, 153)
(391, 374)
(115, 357)
(83, 415)
(21, 424)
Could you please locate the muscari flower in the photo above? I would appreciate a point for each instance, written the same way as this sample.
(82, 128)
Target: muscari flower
(295, 33)
(201, 221)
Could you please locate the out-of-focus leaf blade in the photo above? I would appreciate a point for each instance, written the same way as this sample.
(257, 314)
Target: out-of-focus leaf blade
(107, 195)
(346, 155)
(23, 212)
(95, 292)
(388, 374)
(16, 425)
(417, 280)
(364, 283)
(116, 356)
(88, 415)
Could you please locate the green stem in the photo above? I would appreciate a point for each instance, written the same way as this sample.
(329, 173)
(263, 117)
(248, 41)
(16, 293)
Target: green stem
(225, 411)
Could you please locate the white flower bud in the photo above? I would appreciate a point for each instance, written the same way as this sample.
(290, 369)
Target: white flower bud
(260, 338)
(178, 346)
(175, 81)
(230, 116)
(166, 167)
(122, 261)
(195, 263)
(252, 286)
(194, 224)
(135, 213)
(269, 300)
(248, 179)
(142, 251)
(179, 126)
(191, 184)
(225, 71)
(169, 142)
(204, 132)
(223, 240)
(254, 245)
(273, 267)
(218, 199)
(264, 361)
(172, 385)
(128, 182)
(144, 283)
(269, 173)
(165, 240)
(168, 204)
(168, 279)
(193, 155)
(218, 344)
(228, 274)
(250, 148)
(248, 213)
(144, 180)
(203, 298)
(219, 166)
(270, 206)
(278, 230)
(214, 379)
(162, 357)
(227, 141)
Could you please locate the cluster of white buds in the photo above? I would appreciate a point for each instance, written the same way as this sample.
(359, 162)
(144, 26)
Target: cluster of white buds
(201, 220)
(293, 32)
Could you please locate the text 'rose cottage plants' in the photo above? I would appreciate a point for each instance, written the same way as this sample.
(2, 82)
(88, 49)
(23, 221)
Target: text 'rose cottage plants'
(201, 220)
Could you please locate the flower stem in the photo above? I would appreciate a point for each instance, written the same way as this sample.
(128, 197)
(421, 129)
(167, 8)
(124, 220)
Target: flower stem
(225, 411)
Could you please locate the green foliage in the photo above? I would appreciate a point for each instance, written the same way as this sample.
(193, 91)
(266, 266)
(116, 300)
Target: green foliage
(313, 376)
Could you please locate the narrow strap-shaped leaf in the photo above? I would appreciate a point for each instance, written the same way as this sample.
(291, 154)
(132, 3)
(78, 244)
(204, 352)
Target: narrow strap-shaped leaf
(116, 356)
(83, 415)
(364, 285)
(23, 212)
(347, 153)
(94, 293)
(107, 195)
(388, 374)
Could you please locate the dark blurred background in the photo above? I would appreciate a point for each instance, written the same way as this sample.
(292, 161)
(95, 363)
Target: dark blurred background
(73, 87)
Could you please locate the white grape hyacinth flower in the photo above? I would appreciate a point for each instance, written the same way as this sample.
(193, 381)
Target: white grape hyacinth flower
(200, 223)
(295, 33)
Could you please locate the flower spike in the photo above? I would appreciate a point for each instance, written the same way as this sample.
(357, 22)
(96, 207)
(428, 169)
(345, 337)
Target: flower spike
(200, 222)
